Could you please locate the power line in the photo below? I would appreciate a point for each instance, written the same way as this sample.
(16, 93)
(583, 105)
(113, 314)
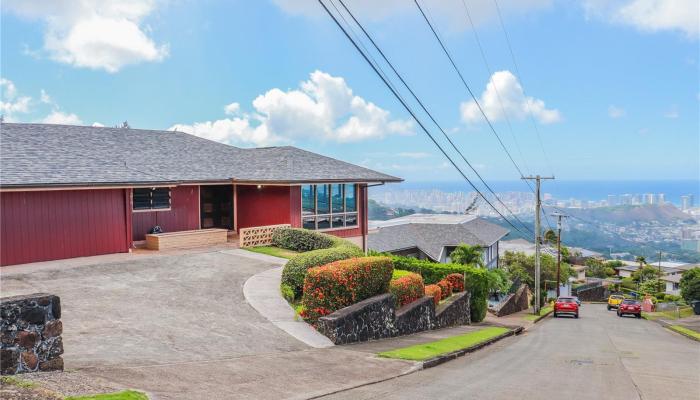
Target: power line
(473, 96)
(410, 111)
(403, 81)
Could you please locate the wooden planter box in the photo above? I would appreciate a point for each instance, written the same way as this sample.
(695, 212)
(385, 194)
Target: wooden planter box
(186, 239)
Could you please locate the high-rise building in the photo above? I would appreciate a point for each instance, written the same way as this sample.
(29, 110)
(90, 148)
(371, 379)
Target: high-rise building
(626, 199)
(661, 198)
(612, 200)
(649, 198)
(687, 201)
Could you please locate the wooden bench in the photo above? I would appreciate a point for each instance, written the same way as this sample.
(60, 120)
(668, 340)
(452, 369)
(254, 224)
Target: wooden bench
(186, 239)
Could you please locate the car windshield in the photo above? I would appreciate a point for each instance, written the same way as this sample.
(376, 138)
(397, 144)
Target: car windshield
(566, 300)
(630, 302)
(616, 297)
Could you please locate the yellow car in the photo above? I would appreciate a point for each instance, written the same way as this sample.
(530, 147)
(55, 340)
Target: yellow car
(614, 301)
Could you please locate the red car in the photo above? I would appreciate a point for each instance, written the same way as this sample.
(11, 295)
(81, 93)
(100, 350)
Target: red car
(566, 305)
(631, 307)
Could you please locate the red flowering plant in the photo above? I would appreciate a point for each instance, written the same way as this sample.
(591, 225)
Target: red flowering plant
(343, 283)
(435, 292)
(446, 288)
(456, 281)
(407, 288)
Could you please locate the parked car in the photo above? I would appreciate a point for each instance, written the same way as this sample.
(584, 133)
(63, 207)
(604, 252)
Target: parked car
(566, 305)
(614, 301)
(577, 300)
(631, 307)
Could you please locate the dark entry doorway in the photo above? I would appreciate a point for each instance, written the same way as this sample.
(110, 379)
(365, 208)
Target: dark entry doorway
(216, 206)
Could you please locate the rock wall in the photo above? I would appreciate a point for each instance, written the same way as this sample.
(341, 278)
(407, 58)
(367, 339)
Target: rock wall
(376, 318)
(518, 301)
(594, 293)
(30, 334)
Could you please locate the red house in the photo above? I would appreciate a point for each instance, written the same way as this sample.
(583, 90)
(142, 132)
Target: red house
(73, 191)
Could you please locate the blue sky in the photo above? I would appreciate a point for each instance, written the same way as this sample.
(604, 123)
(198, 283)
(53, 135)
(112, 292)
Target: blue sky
(612, 85)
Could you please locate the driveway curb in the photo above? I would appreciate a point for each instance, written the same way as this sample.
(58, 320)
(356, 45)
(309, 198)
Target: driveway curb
(541, 317)
(262, 292)
(459, 353)
(668, 326)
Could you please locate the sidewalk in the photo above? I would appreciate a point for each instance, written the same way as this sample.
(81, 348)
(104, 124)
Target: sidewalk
(521, 318)
(688, 327)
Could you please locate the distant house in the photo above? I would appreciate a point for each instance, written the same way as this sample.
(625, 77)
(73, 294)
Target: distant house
(73, 191)
(435, 236)
(672, 284)
(580, 272)
(626, 270)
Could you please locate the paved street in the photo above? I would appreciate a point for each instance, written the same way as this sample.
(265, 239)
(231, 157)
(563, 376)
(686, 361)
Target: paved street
(598, 356)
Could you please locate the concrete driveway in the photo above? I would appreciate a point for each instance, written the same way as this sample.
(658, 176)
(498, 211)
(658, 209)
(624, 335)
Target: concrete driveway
(178, 326)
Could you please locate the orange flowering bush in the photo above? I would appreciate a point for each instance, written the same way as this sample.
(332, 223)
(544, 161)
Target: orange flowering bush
(456, 281)
(435, 292)
(446, 288)
(342, 283)
(407, 288)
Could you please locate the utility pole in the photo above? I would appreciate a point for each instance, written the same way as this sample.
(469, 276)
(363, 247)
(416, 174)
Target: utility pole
(658, 287)
(538, 205)
(559, 217)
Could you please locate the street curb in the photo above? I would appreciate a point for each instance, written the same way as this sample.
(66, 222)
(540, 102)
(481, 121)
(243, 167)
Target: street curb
(668, 326)
(451, 356)
(541, 317)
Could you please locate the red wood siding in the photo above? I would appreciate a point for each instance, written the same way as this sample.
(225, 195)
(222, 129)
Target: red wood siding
(295, 206)
(182, 216)
(51, 225)
(269, 205)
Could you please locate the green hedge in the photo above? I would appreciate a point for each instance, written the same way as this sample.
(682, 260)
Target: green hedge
(477, 281)
(301, 239)
(407, 288)
(343, 283)
(294, 271)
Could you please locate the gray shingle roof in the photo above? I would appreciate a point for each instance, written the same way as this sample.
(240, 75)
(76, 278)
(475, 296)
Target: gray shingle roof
(39, 155)
(432, 237)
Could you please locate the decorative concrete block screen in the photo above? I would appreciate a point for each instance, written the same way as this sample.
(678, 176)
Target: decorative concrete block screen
(258, 235)
(31, 334)
(376, 318)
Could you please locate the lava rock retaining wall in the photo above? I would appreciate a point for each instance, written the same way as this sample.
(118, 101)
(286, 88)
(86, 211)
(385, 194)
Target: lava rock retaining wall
(377, 318)
(595, 293)
(518, 301)
(30, 334)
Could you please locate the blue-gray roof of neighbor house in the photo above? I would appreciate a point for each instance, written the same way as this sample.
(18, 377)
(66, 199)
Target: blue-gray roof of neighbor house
(44, 155)
(432, 232)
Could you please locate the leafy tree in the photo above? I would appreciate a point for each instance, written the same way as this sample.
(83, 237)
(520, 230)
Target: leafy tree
(650, 286)
(641, 260)
(499, 282)
(467, 255)
(522, 267)
(550, 236)
(598, 269)
(690, 284)
(645, 273)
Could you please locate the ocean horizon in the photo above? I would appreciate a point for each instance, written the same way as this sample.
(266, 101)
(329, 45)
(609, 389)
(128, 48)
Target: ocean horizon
(565, 189)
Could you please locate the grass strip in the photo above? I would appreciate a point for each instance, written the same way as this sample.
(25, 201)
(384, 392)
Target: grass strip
(124, 395)
(685, 331)
(272, 251)
(426, 351)
(543, 311)
(13, 381)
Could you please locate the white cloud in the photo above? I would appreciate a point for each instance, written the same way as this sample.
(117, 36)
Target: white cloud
(97, 34)
(616, 112)
(415, 155)
(324, 107)
(14, 107)
(451, 13)
(232, 109)
(649, 15)
(61, 118)
(505, 85)
(672, 113)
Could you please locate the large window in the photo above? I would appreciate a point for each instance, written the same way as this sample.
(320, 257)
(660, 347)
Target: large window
(329, 206)
(151, 199)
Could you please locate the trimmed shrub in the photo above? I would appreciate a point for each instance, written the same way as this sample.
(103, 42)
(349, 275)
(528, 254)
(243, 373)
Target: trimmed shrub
(399, 273)
(435, 292)
(477, 281)
(294, 271)
(407, 288)
(456, 281)
(445, 288)
(660, 296)
(287, 292)
(298, 239)
(342, 283)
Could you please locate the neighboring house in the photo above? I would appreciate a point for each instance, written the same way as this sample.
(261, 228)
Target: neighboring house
(523, 246)
(580, 273)
(626, 271)
(672, 284)
(72, 191)
(435, 236)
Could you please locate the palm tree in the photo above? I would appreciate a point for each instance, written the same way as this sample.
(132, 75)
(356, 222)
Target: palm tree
(641, 260)
(466, 254)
